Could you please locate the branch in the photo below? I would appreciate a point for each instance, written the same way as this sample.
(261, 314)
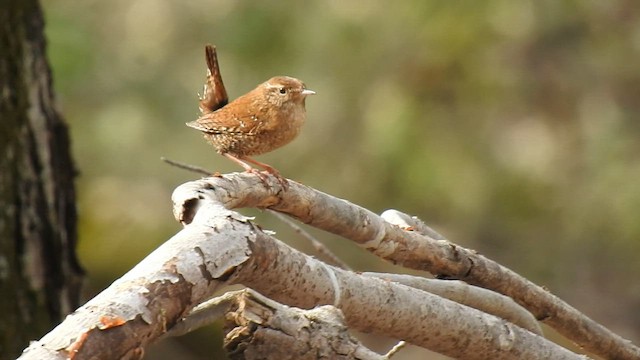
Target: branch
(221, 247)
(478, 298)
(192, 168)
(262, 328)
(404, 247)
(204, 314)
(255, 322)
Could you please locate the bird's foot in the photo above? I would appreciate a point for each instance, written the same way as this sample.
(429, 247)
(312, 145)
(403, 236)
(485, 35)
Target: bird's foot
(264, 175)
(281, 179)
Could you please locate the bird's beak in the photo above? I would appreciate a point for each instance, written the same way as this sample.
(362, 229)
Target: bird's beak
(308, 92)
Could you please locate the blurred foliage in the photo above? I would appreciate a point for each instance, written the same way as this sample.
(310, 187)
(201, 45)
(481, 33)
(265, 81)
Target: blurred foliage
(510, 126)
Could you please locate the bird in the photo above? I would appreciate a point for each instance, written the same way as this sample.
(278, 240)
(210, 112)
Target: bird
(264, 119)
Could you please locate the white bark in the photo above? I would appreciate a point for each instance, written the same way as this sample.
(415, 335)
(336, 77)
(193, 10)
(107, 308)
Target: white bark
(219, 246)
(411, 249)
(264, 328)
(478, 298)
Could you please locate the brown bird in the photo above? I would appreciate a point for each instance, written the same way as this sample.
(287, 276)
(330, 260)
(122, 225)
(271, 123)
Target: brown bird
(264, 119)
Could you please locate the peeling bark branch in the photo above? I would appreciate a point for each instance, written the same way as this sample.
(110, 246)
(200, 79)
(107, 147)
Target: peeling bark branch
(388, 308)
(140, 306)
(219, 247)
(407, 248)
(478, 298)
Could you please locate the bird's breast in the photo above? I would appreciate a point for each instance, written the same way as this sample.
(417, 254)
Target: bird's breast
(276, 130)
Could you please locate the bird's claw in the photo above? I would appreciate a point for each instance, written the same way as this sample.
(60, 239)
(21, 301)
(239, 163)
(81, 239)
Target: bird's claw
(282, 180)
(264, 175)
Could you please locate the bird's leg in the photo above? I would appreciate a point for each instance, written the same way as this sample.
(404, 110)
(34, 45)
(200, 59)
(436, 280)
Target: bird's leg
(248, 167)
(283, 181)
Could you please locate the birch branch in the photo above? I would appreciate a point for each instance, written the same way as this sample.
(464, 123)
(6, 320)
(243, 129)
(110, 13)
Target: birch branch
(407, 248)
(478, 298)
(220, 247)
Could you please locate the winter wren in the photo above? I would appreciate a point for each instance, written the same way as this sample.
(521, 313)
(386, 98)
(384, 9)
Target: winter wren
(264, 119)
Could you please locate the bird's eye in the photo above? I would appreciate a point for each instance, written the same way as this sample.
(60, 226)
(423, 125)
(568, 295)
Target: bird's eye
(283, 91)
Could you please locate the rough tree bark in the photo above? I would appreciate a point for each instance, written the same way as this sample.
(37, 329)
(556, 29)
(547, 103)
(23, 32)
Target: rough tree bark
(39, 274)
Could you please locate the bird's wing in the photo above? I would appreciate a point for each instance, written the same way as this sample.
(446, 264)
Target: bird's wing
(224, 121)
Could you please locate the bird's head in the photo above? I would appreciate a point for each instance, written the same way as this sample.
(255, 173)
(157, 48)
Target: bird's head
(281, 90)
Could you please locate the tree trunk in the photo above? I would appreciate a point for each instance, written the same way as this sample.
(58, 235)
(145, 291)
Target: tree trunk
(40, 277)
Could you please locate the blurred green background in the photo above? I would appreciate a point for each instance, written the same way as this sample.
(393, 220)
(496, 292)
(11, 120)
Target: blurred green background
(511, 127)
